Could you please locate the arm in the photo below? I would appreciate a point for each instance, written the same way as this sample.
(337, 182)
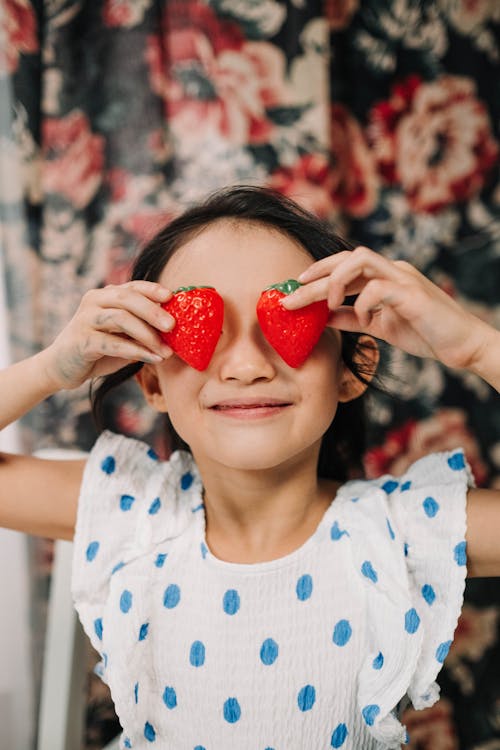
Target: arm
(112, 327)
(398, 304)
(483, 531)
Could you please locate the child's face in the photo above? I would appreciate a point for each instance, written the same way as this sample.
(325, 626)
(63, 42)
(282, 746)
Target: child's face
(240, 260)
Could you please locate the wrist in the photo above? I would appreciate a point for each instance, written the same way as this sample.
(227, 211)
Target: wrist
(46, 372)
(486, 362)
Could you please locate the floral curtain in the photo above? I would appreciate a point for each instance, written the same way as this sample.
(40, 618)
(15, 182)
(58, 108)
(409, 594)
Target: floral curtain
(382, 116)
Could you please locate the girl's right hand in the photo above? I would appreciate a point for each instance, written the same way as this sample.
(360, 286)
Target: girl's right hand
(112, 327)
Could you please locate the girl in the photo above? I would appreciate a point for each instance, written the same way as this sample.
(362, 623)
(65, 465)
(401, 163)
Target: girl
(252, 591)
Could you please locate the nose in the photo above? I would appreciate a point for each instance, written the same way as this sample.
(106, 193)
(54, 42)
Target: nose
(244, 355)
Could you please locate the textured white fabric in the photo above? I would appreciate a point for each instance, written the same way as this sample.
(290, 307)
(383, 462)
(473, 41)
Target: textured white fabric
(313, 650)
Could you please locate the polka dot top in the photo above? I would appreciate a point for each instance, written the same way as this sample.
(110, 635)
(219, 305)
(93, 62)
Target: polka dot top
(313, 650)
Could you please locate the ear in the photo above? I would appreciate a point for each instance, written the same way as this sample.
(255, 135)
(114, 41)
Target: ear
(367, 356)
(150, 386)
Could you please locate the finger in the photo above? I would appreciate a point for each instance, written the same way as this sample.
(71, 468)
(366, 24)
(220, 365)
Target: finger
(357, 271)
(132, 297)
(344, 318)
(376, 294)
(347, 277)
(151, 289)
(101, 344)
(109, 320)
(323, 267)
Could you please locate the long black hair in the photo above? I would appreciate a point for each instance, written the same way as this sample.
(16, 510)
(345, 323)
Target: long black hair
(343, 443)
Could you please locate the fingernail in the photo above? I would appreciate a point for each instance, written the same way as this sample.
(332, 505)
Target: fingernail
(155, 358)
(167, 322)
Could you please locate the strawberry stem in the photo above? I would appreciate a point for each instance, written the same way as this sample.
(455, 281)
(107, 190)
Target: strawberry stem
(190, 288)
(287, 287)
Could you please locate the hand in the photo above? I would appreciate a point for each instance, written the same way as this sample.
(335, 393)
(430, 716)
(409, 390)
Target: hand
(112, 327)
(396, 303)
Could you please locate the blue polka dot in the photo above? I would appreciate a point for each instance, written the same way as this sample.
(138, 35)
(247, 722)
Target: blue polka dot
(428, 593)
(369, 572)
(170, 697)
(442, 651)
(339, 736)
(354, 499)
(370, 713)
(160, 559)
(304, 587)
(430, 506)
(108, 465)
(171, 596)
(406, 548)
(105, 659)
(143, 632)
(231, 602)
(126, 743)
(456, 462)
(390, 485)
(269, 651)
(152, 454)
(125, 601)
(412, 621)
(342, 632)
(197, 508)
(378, 662)
(405, 486)
(155, 506)
(460, 553)
(204, 550)
(306, 698)
(390, 529)
(118, 567)
(126, 502)
(186, 480)
(407, 738)
(197, 654)
(336, 532)
(199, 747)
(98, 627)
(149, 732)
(92, 551)
(136, 692)
(232, 710)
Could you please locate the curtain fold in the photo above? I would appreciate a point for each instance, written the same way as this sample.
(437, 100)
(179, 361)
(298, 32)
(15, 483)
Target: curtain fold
(382, 116)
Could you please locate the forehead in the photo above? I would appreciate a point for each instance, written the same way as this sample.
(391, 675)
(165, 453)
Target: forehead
(230, 254)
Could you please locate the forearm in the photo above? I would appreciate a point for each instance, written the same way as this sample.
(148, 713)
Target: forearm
(23, 386)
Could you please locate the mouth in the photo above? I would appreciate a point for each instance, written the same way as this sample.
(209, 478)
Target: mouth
(250, 408)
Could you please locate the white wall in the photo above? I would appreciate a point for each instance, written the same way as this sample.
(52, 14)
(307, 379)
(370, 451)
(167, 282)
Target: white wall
(16, 677)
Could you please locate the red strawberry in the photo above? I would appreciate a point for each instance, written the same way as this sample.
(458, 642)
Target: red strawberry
(292, 333)
(198, 313)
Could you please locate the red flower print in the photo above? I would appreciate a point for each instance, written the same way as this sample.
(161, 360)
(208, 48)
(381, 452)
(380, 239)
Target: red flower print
(212, 80)
(309, 182)
(356, 181)
(18, 32)
(435, 140)
(339, 12)
(432, 728)
(446, 430)
(74, 158)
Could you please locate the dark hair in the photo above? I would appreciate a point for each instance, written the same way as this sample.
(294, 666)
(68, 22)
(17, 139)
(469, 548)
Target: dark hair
(343, 443)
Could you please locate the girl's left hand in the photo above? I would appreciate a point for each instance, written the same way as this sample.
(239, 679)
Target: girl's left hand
(395, 303)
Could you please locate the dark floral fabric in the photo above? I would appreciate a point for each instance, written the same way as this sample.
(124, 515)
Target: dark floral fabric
(382, 116)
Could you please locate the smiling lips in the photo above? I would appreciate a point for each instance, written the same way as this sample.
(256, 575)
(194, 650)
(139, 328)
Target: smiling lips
(247, 408)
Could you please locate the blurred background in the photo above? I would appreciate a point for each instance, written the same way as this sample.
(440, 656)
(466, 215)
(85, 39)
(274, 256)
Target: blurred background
(382, 116)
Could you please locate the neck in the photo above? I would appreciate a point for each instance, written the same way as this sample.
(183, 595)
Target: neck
(253, 516)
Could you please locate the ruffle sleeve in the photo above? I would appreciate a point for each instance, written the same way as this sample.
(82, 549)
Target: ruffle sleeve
(408, 545)
(129, 503)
